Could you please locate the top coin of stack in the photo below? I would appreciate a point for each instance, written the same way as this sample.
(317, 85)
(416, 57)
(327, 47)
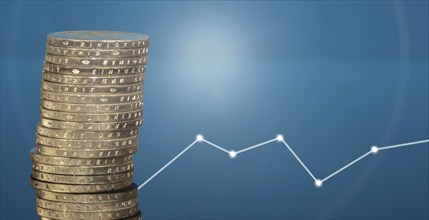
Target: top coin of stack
(91, 110)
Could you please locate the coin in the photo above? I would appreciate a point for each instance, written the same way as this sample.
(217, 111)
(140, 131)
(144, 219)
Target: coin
(86, 153)
(102, 62)
(93, 80)
(95, 126)
(86, 135)
(118, 214)
(91, 108)
(79, 52)
(88, 117)
(88, 170)
(98, 39)
(83, 180)
(78, 188)
(112, 196)
(86, 90)
(134, 217)
(76, 207)
(94, 71)
(67, 161)
(87, 144)
(92, 99)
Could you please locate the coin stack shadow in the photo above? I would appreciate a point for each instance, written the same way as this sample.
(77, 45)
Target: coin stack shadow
(91, 109)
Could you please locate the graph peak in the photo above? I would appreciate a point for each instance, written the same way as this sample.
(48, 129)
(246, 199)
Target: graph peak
(280, 139)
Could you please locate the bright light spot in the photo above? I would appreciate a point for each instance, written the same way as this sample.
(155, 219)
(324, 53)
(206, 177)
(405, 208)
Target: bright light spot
(279, 138)
(318, 183)
(200, 138)
(232, 154)
(374, 149)
(212, 55)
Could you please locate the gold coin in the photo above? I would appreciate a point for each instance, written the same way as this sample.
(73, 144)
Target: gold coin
(86, 153)
(98, 39)
(93, 80)
(105, 197)
(78, 162)
(119, 214)
(87, 144)
(93, 71)
(95, 126)
(92, 108)
(86, 135)
(79, 188)
(91, 117)
(91, 89)
(83, 170)
(95, 61)
(77, 207)
(91, 99)
(83, 180)
(79, 52)
(134, 217)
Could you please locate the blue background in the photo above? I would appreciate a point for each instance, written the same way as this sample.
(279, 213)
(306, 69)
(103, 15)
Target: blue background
(333, 77)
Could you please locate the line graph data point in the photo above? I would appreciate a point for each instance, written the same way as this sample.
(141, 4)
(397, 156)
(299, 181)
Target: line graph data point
(199, 137)
(318, 183)
(232, 154)
(374, 149)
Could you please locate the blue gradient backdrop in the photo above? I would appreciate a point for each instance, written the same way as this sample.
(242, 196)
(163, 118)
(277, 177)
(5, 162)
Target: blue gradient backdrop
(333, 77)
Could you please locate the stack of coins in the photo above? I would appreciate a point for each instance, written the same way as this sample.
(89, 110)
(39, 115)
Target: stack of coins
(91, 110)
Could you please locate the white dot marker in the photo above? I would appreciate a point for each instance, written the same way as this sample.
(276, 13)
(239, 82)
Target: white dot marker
(200, 138)
(374, 149)
(232, 154)
(279, 138)
(318, 183)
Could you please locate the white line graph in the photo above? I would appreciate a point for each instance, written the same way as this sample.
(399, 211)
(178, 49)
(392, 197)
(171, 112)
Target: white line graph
(318, 182)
